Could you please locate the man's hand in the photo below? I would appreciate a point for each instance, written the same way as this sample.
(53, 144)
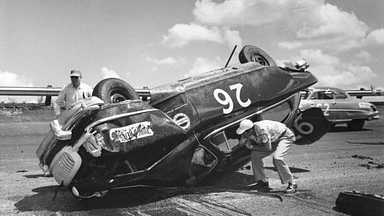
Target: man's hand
(243, 140)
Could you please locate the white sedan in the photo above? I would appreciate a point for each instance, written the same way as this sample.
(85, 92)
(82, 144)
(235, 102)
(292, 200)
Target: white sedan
(339, 107)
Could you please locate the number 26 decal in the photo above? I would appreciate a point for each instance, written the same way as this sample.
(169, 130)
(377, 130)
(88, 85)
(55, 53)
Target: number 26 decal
(227, 100)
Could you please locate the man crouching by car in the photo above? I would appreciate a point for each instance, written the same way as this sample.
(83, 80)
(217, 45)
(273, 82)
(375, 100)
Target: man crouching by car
(264, 138)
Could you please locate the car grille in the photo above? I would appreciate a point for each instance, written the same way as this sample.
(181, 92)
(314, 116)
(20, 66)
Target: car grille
(65, 165)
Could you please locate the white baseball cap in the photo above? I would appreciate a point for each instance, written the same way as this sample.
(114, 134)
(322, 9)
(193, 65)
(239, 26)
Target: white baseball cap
(246, 124)
(75, 73)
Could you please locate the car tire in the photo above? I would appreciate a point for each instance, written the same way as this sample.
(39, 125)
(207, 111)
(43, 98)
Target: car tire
(356, 124)
(358, 203)
(251, 53)
(114, 90)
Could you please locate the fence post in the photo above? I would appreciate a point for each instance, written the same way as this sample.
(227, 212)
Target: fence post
(48, 98)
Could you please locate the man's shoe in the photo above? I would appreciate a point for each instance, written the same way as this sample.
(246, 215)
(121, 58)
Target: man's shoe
(292, 188)
(259, 185)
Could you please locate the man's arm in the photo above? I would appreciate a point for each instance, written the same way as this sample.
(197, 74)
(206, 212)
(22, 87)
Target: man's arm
(265, 138)
(245, 141)
(59, 102)
(262, 140)
(242, 140)
(86, 91)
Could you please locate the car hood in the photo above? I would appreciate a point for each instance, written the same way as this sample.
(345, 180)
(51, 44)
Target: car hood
(222, 93)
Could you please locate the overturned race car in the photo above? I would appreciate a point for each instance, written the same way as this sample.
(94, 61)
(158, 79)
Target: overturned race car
(182, 135)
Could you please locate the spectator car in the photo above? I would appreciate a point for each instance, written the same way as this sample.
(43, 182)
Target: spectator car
(339, 107)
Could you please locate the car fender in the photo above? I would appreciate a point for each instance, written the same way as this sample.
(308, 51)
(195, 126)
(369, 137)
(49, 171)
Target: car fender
(310, 126)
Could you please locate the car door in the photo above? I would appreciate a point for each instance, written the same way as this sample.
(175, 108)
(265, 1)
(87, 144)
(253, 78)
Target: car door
(325, 99)
(333, 103)
(322, 99)
(341, 106)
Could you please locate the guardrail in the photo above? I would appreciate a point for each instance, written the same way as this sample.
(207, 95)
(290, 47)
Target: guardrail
(50, 91)
(144, 93)
(29, 91)
(361, 93)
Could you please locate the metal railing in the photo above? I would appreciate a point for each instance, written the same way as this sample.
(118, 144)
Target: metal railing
(50, 91)
(144, 93)
(361, 93)
(29, 91)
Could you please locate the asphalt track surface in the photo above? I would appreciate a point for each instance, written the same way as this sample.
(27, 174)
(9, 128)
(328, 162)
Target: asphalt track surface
(340, 161)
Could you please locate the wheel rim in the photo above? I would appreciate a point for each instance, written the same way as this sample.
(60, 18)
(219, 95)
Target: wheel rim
(260, 59)
(117, 97)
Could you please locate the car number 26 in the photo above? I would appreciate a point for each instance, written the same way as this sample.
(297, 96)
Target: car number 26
(227, 100)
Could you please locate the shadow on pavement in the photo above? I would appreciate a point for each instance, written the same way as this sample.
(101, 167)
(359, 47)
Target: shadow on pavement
(35, 176)
(337, 129)
(135, 199)
(125, 198)
(66, 202)
(293, 169)
(364, 143)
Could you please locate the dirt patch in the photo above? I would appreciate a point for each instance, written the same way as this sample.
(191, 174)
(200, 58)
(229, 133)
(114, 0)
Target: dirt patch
(371, 164)
(25, 112)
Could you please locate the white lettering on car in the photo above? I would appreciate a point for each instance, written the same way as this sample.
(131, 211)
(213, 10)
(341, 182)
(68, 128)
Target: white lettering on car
(326, 109)
(131, 132)
(227, 100)
(238, 87)
(304, 128)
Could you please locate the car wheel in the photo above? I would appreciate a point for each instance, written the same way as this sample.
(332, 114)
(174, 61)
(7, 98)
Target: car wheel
(356, 124)
(113, 90)
(359, 203)
(251, 53)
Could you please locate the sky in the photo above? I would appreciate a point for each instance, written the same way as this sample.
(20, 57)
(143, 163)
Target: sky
(152, 42)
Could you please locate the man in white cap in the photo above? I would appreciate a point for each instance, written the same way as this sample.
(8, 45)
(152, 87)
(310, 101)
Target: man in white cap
(71, 93)
(265, 138)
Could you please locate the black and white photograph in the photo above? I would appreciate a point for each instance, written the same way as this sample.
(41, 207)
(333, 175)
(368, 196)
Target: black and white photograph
(192, 107)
